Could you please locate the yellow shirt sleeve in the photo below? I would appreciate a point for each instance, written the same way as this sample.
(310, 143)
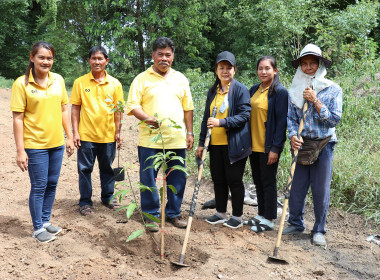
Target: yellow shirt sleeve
(18, 98)
(187, 101)
(75, 97)
(134, 96)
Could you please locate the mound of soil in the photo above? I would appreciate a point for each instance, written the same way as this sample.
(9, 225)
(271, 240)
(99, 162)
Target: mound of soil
(94, 247)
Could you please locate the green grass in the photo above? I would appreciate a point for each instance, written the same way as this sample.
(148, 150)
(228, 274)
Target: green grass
(5, 83)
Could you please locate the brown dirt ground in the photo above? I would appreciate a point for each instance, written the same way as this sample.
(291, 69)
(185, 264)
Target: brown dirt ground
(94, 247)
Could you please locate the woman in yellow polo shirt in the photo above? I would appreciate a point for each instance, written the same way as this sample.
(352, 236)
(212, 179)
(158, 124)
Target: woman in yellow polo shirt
(269, 102)
(39, 109)
(230, 140)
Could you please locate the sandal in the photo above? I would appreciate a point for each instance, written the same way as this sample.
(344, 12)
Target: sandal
(253, 221)
(113, 205)
(262, 226)
(86, 210)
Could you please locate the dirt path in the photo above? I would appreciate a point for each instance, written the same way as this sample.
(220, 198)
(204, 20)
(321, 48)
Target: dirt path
(94, 247)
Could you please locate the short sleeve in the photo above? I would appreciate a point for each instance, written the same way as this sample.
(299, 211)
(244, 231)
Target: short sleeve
(119, 94)
(187, 101)
(18, 98)
(134, 96)
(75, 97)
(65, 98)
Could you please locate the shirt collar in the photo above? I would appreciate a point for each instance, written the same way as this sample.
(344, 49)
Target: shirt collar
(228, 88)
(151, 71)
(50, 79)
(105, 81)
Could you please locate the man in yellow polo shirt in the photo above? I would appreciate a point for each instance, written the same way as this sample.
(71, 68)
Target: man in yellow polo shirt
(96, 130)
(163, 91)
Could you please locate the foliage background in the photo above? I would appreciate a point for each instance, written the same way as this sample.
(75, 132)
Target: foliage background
(347, 30)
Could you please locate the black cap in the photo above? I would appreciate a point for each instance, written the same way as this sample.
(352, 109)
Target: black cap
(226, 56)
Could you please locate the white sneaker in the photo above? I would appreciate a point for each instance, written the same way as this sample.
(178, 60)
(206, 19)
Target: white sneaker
(43, 236)
(319, 239)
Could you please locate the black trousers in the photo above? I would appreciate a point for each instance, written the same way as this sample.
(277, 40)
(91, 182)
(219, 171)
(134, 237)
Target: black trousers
(227, 177)
(264, 177)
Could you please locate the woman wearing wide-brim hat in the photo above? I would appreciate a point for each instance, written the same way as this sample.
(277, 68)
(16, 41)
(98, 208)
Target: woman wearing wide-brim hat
(324, 111)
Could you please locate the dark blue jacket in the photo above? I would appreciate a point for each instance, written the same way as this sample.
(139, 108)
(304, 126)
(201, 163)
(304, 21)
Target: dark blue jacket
(275, 126)
(237, 123)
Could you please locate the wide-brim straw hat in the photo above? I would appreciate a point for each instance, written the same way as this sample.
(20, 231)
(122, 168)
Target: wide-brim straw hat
(311, 49)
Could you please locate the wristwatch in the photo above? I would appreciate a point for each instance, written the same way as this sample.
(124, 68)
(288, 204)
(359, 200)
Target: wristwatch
(190, 133)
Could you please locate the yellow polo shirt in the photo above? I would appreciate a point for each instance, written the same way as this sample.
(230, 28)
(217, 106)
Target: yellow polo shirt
(259, 116)
(168, 97)
(97, 123)
(42, 109)
(219, 134)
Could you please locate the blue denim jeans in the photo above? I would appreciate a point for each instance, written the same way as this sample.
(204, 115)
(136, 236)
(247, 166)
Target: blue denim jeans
(318, 176)
(44, 167)
(150, 202)
(87, 153)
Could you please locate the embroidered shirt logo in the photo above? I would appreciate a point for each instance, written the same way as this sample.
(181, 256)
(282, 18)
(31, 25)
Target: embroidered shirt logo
(87, 90)
(34, 91)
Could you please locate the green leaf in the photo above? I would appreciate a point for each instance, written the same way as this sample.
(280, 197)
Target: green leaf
(181, 168)
(181, 159)
(145, 188)
(108, 100)
(151, 217)
(169, 154)
(121, 208)
(121, 194)
(131, 209)
(161, 194)
(134, 235)
(173, 189)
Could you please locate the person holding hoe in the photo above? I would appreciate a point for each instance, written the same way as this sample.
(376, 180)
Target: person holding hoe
(269, 102)
(39, 107)
(317, 141)
(230, 139)
(96, 129)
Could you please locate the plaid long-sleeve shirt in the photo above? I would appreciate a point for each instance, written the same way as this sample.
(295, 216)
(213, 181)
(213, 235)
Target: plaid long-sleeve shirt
(318, 126)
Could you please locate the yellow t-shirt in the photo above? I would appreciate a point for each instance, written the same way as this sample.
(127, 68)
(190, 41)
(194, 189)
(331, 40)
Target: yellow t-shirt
(42, 109)
(219, 134)
(168, 97)
(259, 115)
(97, 123)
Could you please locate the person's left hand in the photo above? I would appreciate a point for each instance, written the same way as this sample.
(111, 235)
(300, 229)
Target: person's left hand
(272, 158)
(69, 147)
(189, 142)
(309, 94)
(119, 140)
(212, 122)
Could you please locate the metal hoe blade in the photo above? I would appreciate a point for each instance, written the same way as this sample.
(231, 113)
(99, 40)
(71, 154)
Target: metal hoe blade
(275, 258)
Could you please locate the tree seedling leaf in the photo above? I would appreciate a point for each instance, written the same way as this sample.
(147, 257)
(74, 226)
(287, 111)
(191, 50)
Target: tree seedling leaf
(151, 217)
(121, 208)
(131, 209)
(134, 235)
(181, 168)
(173, 189)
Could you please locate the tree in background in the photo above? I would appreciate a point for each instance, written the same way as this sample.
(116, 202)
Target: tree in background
(346, 29)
